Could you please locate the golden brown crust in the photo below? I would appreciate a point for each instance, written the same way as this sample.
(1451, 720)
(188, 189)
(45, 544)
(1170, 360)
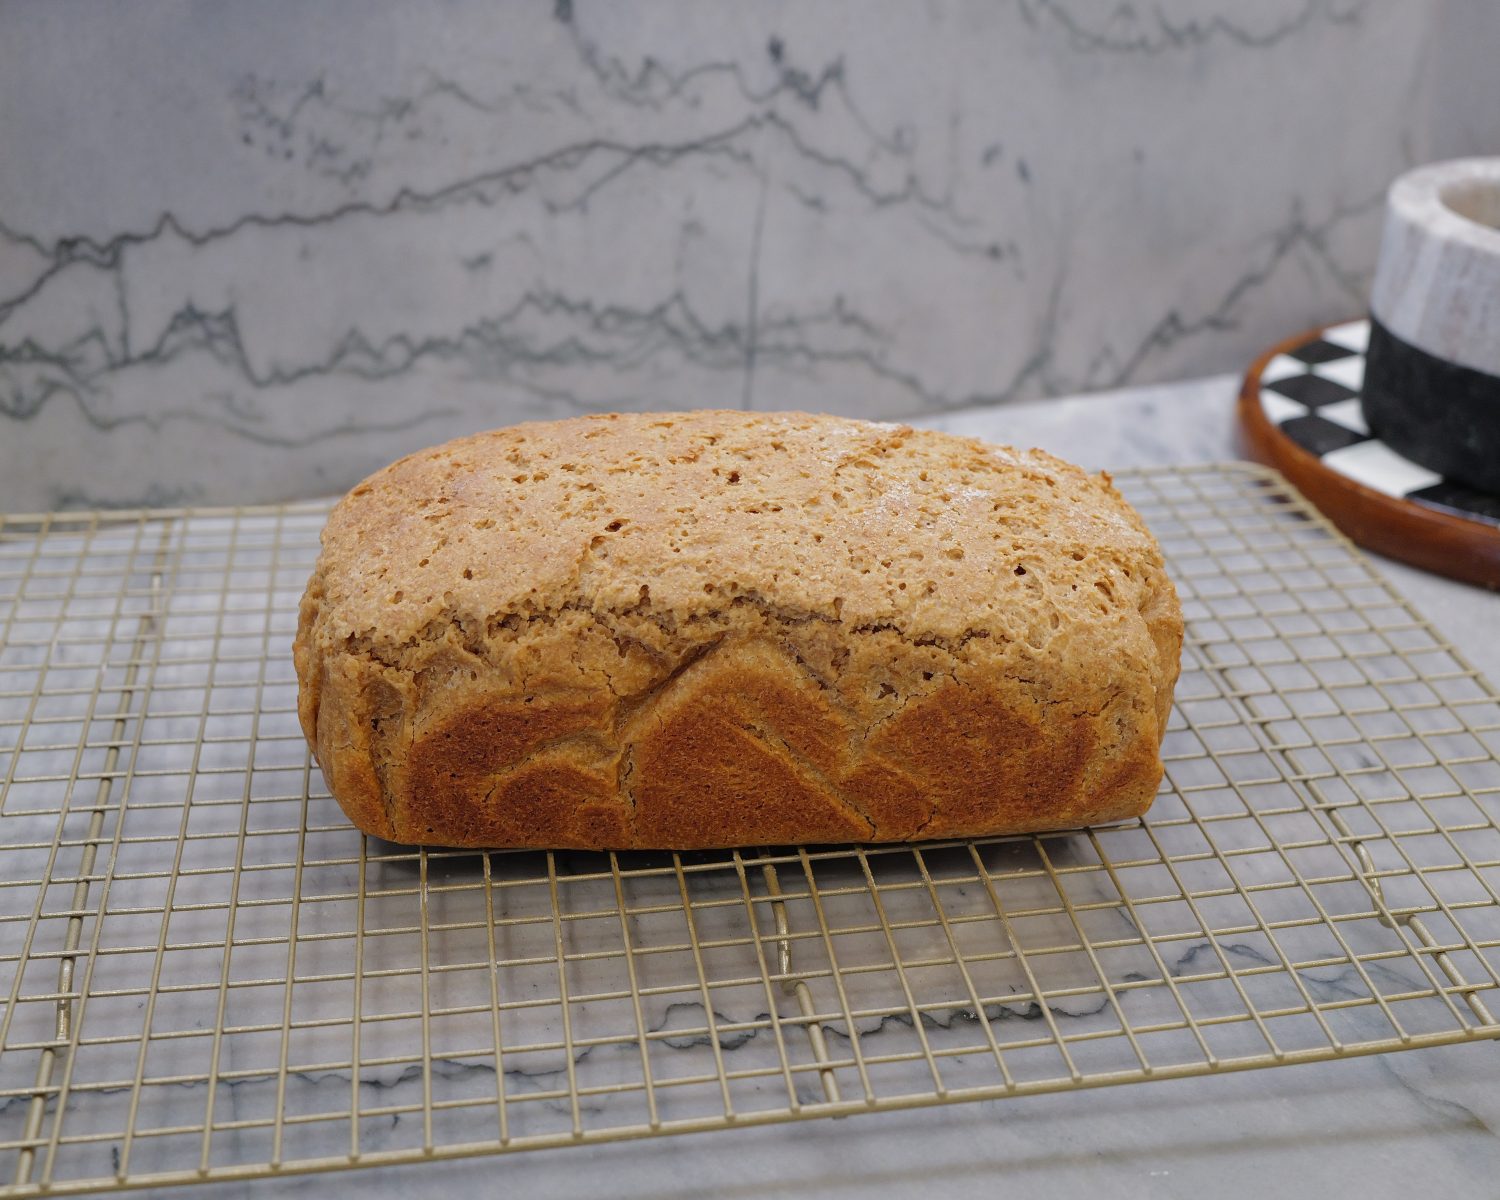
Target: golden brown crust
(712, 629)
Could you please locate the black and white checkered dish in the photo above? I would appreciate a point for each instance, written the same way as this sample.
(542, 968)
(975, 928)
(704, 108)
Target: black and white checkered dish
(1312, 395)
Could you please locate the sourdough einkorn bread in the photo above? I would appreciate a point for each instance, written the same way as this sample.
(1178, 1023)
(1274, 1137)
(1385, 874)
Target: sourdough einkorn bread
(720, 629)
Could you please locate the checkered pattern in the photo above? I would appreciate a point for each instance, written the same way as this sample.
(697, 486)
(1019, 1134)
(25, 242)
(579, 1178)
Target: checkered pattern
(1312, 394)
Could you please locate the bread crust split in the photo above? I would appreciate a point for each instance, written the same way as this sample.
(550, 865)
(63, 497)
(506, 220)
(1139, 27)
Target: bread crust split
(712, 629)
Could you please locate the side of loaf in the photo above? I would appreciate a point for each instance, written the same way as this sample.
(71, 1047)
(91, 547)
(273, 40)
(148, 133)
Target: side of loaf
(709, 629)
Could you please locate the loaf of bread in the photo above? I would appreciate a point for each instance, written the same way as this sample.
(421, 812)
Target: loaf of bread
(711, 629)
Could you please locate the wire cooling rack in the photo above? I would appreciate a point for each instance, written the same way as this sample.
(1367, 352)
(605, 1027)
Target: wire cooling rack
(206, 973)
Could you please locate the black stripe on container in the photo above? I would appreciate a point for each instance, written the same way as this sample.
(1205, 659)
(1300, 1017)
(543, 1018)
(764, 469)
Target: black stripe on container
(1436, 413)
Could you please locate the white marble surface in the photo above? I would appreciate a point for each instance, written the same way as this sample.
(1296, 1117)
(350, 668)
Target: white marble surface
(1384, 1127)
(251, 252)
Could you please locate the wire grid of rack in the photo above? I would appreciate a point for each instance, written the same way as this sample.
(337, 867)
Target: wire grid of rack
(206, 973)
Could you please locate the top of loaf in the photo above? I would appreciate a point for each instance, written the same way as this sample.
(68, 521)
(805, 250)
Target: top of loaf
(814, 517)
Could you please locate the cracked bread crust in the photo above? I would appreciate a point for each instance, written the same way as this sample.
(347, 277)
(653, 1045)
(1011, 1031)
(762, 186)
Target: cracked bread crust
(709, 629)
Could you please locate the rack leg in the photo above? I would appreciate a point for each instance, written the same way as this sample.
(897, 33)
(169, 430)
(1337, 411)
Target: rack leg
(1412, 921)
(798, 987)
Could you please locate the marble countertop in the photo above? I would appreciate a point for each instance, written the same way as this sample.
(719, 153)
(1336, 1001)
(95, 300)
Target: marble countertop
(1382, 1126)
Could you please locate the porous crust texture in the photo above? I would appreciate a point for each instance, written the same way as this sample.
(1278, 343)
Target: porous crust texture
(712, 629)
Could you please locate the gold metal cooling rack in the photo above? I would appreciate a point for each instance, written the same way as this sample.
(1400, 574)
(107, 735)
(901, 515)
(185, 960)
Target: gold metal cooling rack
(205, 973)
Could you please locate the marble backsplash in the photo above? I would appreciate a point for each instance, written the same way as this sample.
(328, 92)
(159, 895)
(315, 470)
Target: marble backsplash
(254, 251)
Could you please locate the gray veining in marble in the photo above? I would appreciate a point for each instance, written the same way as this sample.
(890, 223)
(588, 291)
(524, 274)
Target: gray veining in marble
(250, 252)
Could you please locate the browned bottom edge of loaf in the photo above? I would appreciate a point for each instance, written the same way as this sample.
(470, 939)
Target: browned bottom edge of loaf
(1111, 815)
(715, 771)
